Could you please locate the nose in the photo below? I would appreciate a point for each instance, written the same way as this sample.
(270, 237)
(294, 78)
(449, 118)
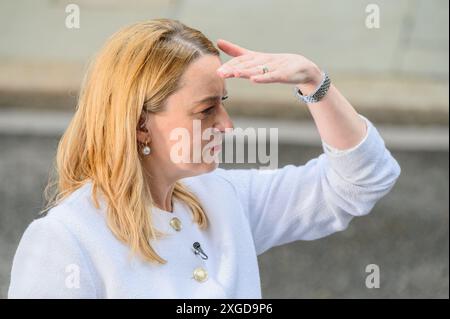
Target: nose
(223, 120)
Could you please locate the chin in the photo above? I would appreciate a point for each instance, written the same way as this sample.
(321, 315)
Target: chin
(199, 169)
(208, 167)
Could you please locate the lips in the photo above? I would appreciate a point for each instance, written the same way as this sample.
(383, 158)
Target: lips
(216, 148)
(218, 143)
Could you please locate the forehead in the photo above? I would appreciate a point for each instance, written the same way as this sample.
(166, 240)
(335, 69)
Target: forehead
(200, 78)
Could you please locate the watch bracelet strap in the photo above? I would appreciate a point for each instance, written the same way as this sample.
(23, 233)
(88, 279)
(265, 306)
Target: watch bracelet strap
(318, 94)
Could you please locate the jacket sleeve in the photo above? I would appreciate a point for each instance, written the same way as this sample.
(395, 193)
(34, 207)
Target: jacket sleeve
(49, 264)
(316, 199)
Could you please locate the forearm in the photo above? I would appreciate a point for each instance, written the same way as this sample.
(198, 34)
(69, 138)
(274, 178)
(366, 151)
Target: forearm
(338, 123)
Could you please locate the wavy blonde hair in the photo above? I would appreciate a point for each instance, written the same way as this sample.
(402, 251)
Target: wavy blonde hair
(139, 67)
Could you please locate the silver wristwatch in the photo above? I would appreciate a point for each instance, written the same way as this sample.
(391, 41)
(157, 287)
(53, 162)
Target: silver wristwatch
(318, 94)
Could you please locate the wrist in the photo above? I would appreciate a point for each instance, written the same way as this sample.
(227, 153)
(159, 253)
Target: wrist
(320, 90)
(313, 79)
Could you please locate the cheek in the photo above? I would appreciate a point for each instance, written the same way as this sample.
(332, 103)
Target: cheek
(162, 128)
(172, 136)
(194, 130)
(187, 133)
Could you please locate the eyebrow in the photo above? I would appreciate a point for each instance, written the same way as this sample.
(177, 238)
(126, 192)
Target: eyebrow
(210, 98)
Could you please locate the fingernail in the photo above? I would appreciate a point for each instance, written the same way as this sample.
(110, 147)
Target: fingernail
(223, 72)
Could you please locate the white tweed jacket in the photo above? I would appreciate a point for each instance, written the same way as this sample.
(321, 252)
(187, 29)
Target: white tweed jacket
(71, 253)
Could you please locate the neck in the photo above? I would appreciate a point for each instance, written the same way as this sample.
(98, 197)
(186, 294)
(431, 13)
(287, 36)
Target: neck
(162, 196)
(161, 187)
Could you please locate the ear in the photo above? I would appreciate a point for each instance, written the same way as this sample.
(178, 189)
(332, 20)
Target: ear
(142, 131)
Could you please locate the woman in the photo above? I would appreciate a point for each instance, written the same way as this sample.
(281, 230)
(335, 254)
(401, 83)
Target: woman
(129, 221)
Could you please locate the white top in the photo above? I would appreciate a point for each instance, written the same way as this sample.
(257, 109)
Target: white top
(71, 253)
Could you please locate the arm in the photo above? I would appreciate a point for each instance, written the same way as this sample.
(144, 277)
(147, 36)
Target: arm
(322, 196)
(337, 121)
(316, 199)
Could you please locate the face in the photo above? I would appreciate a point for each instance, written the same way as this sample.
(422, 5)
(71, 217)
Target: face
(183, 136)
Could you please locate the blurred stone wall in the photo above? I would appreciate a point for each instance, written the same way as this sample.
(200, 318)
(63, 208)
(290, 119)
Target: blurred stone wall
(395, 73)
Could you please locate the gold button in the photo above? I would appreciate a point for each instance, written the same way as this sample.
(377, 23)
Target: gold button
(200, 274)
(176, 223)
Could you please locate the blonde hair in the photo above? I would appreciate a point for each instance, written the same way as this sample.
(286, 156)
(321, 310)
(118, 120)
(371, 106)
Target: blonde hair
(136, 71)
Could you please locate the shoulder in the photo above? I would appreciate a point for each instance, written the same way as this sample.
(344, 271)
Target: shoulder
(239, 180)
(77, 211)
(61, 225)
(226, 183)
(69, 226)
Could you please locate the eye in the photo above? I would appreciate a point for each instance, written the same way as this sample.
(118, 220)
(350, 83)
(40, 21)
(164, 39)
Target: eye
(208, 110)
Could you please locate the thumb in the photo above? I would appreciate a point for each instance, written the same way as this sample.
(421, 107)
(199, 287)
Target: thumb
(231, 48)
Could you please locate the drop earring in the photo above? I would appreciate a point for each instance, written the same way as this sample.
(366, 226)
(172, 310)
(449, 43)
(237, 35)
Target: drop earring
(146, 149)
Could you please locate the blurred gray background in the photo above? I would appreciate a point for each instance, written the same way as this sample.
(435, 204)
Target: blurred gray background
(396, 75)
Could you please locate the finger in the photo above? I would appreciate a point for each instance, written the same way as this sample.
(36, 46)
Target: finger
(231, 66)
(267, 77)
(225, 72)
(251, 67)
(231, 48)
(248, 73)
